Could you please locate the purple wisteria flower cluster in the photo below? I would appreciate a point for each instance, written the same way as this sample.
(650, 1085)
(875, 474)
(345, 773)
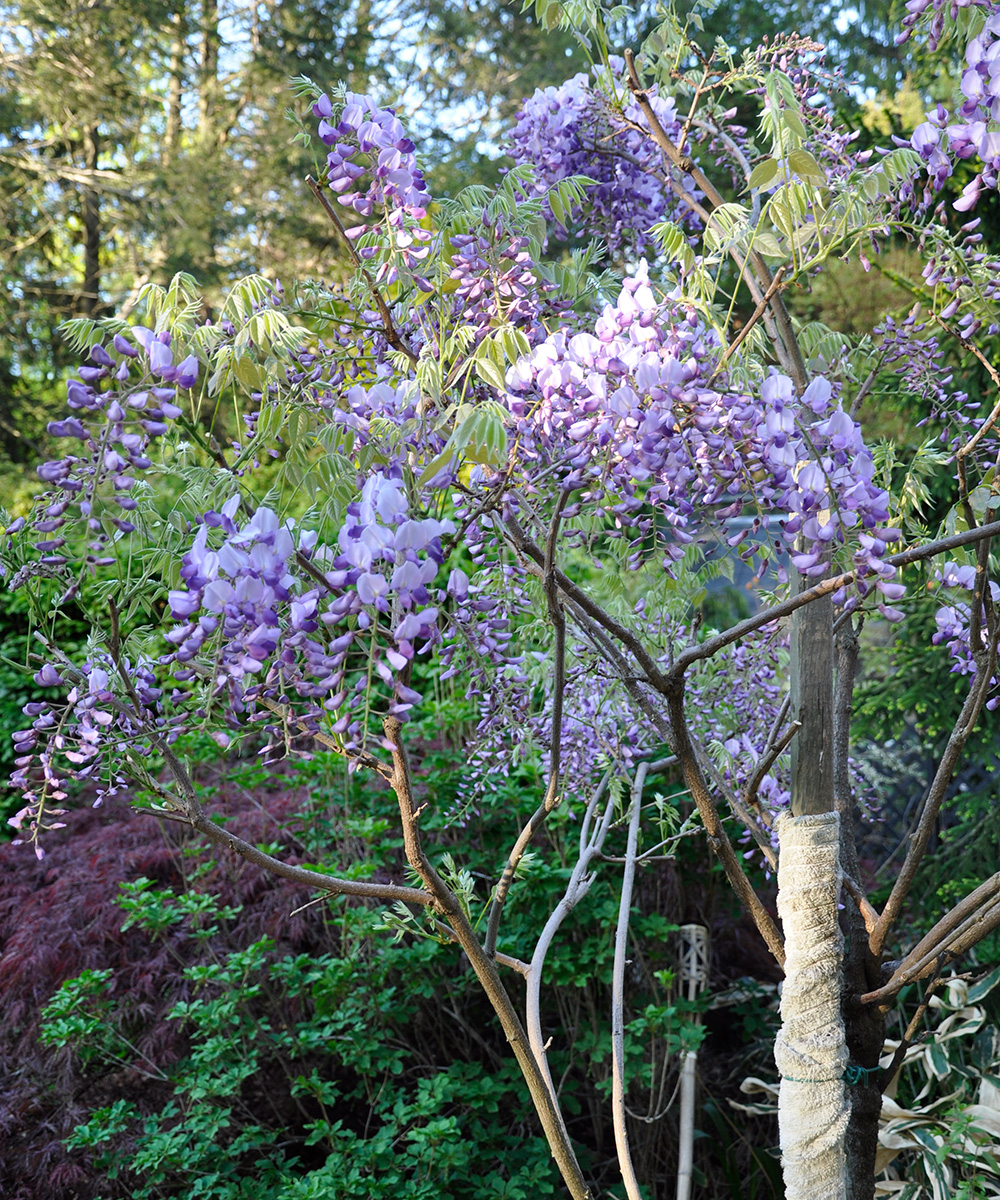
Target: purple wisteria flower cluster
(372, 169)
(940, 10)
(639, 413)
(114, 425)
(69, 741)
(250, 596)
(574, 129)
(495, 279)
(977, 134)
(954, 623)
(371, 163)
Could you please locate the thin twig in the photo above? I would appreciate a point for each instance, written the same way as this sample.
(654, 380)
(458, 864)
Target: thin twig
(737, 805)
(755, 316)
(767, 761)
(392, 334)
(889, 1074)
(717, 837)
(711, 646)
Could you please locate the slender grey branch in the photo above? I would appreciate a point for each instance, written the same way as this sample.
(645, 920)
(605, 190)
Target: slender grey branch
(577, 888)
(618, 994)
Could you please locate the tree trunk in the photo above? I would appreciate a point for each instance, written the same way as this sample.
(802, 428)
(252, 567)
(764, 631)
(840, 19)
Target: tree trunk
(208, 73)
(865, 1032)
(864, 1027)
(175, 90)
(91, 220)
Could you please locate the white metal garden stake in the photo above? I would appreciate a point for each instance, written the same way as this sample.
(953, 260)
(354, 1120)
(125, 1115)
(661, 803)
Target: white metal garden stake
(694, 977)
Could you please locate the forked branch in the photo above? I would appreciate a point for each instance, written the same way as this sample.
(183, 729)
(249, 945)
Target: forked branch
(447, 906)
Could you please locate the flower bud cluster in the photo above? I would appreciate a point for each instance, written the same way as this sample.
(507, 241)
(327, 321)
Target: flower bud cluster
(915, 355)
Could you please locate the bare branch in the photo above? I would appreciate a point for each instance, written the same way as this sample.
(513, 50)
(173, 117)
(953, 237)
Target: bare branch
(717, 837)
(868, 913)
(711, 646)
(316, 880)
(906, 1041)
(957, 931)
(770, 756)
(935, 797)
(737, 805)
(755, 316)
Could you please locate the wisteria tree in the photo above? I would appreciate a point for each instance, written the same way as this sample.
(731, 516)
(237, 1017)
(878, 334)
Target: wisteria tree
(500, 455)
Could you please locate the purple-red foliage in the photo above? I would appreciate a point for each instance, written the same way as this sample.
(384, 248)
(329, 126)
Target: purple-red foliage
(59, 917)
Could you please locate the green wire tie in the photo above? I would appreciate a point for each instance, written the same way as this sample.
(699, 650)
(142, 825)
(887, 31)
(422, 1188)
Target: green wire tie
(863, 1076)
(853, 1076)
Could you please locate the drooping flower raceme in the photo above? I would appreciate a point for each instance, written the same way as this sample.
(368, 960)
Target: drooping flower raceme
(954, 622)
(114, 426)
(573, 130)
(371, 162)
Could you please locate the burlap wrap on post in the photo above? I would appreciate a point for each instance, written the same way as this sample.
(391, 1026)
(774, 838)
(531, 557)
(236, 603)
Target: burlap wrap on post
(810, 1049)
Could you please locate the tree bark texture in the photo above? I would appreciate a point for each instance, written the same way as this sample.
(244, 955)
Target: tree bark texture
(91, 221)
(812, 707)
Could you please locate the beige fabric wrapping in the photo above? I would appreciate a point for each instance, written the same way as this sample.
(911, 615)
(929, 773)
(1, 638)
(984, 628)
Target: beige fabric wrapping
(810, 1050)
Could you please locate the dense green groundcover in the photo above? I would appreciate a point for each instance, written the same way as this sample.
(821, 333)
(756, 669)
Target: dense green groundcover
(204, 1034)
